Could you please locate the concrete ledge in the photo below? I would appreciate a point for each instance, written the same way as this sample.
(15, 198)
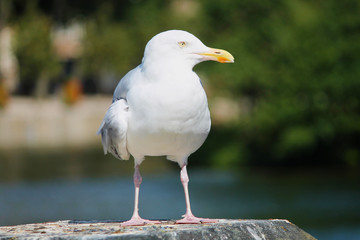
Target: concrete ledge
(224, 229)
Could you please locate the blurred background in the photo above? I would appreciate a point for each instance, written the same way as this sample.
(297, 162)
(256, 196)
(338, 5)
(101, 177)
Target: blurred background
(285, 139)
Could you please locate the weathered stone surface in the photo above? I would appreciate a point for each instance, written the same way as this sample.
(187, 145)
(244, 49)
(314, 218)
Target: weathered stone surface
(99, 230)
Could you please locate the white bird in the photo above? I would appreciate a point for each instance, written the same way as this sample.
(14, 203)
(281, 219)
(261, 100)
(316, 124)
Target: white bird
(160, 109)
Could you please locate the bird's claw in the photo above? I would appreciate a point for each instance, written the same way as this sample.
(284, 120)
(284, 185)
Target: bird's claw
(138, 222)
(191, 219)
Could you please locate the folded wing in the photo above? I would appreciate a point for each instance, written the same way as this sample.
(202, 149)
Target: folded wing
(113, 130)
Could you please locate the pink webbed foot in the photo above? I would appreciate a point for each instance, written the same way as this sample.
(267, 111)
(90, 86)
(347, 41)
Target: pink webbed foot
(138, 221)
(191, 219)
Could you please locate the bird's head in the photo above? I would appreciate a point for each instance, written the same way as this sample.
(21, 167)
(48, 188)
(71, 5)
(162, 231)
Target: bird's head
(176, 46)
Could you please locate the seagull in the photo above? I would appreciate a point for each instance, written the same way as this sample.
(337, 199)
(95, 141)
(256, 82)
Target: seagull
(160, 108)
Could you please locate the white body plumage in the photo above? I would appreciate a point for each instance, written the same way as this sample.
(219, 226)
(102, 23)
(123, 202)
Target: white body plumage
(160, 107)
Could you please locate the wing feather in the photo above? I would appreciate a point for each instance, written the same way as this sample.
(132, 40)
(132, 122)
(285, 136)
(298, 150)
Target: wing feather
(113, 130)
(125, 84)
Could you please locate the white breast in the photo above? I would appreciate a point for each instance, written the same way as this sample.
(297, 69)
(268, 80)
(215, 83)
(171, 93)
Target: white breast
(166, 118)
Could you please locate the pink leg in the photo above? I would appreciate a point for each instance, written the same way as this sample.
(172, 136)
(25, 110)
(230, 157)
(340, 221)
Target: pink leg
(189, 217)
(136, 220)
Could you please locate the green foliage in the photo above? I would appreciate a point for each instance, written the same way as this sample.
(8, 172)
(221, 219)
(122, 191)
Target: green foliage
(298, 62)
(33, 47)
(296, 66)
(107, 45)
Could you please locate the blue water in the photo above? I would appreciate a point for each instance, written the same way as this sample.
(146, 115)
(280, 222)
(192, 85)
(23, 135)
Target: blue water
(327, 207)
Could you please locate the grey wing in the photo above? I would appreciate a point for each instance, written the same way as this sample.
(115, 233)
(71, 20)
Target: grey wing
(113, 130)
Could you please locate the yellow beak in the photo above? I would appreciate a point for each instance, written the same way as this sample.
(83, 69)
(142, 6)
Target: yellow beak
(218, 55)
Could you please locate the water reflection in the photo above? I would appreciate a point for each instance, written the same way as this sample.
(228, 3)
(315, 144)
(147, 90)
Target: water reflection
(86, 185)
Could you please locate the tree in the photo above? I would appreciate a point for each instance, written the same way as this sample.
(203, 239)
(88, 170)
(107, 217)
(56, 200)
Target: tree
(33, 47)
(297, 67)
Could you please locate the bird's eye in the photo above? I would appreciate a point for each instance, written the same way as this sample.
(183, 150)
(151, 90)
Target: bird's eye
(182, 44)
